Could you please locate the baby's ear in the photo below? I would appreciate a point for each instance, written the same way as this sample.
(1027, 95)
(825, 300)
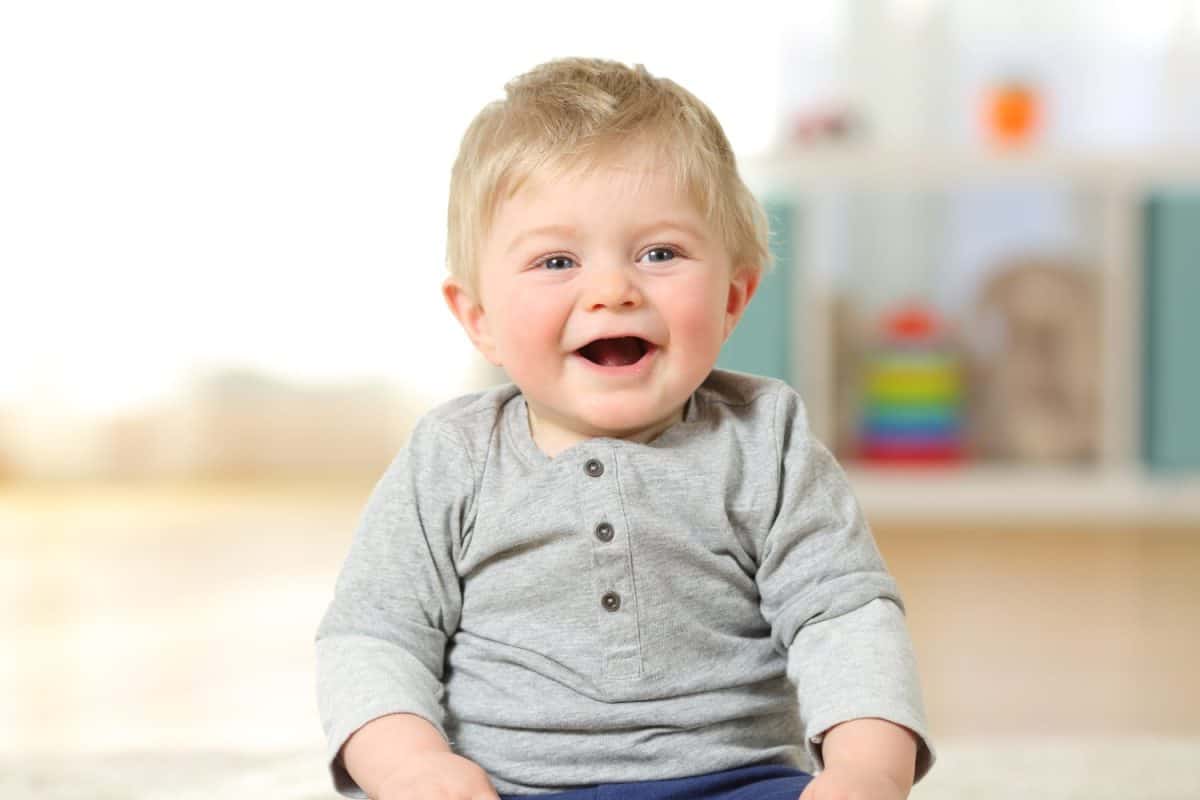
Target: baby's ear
(742, 287)
(472, 316)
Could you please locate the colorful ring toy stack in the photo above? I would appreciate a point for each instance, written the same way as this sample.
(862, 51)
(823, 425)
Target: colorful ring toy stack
(912, 410)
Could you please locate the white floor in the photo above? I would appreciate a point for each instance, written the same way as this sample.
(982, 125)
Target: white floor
(174, 630)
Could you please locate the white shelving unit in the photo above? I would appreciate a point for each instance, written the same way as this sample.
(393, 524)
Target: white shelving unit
(1117, 487)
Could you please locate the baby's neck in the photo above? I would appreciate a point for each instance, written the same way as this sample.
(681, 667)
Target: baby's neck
(552, 438)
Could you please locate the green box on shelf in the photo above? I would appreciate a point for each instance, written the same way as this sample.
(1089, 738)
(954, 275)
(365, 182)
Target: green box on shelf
(1171, 318)
(762, 343)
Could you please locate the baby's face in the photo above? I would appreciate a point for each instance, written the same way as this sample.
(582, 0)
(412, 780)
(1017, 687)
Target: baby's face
(606, 298)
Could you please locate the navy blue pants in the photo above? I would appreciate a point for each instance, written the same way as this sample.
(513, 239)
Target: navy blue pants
(766, 782)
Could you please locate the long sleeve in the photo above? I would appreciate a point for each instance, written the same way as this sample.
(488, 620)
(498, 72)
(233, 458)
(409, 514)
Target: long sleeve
(381, 645)
(830, 601)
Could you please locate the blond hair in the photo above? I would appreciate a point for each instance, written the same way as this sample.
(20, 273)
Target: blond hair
(575, 113)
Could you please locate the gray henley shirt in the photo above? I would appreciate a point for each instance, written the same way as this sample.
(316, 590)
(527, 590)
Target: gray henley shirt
(623, 611)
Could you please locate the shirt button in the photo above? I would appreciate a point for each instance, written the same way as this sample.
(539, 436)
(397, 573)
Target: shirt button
(593, 468)
(611, 601)
(604, 532)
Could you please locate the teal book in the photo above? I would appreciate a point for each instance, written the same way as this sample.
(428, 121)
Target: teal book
(1171, 320)
(762, 342)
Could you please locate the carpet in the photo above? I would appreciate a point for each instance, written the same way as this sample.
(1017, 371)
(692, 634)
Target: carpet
(1138, 768)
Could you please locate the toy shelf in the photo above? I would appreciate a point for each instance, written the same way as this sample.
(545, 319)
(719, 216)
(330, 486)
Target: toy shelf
(812, 186)
(823, 168)
(999, 494)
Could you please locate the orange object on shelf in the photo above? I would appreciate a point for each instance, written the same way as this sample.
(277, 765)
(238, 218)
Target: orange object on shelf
(1012, 113)
(910, 322)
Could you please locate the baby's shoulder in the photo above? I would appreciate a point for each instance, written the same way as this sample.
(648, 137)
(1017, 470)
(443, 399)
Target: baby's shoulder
(465, 409)
(754, 399)
(448, 444)
(466, 422)
(740, 388)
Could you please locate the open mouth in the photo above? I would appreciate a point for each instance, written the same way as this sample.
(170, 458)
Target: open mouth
(619, 352)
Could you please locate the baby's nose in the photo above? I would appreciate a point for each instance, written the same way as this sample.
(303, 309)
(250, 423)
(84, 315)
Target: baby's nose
(612, 287)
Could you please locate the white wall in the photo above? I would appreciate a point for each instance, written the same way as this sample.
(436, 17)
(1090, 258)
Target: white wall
(263, 184)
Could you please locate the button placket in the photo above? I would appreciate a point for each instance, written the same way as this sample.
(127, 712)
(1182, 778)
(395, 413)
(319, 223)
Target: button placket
(612, 582)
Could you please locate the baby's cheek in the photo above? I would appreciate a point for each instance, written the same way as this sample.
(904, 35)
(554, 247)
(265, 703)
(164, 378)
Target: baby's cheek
(531, 331)
(700, 318)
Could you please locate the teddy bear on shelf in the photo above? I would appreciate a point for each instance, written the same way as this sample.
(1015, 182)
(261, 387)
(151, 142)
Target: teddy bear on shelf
(1037, 363)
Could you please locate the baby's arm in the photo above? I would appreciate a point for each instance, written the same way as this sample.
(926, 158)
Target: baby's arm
(837, 611)
(865, 758)
(381, 645)
(402, 756)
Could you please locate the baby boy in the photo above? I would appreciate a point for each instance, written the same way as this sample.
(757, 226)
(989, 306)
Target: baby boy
(625, 574)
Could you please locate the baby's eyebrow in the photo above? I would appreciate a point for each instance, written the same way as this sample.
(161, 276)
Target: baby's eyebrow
(544, 230)
(672, 224)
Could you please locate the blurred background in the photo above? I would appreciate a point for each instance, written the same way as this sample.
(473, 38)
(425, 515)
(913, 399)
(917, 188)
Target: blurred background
(221, 242)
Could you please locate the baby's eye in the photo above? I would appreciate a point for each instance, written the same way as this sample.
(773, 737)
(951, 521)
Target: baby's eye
(558, 262)
(657, 255)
